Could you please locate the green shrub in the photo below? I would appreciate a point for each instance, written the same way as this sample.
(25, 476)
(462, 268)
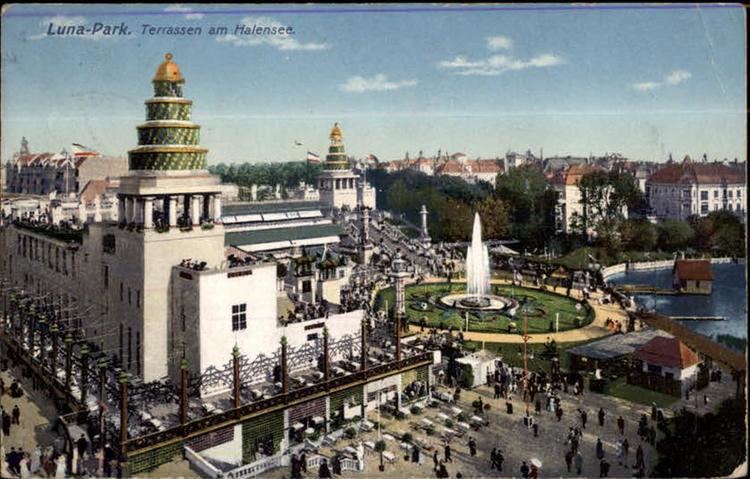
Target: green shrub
(463, 417)
(416, 410)
(350, 433)
(429, 430)
(399, 416)
(407, 437)
(449, 423)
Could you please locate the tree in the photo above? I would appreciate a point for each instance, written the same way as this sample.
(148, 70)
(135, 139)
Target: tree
(675, 234)
(380, 447)
(495, 218)
(607, 195)
(638, 235)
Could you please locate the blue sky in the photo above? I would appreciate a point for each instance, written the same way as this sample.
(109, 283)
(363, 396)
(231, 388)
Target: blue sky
(643, 82)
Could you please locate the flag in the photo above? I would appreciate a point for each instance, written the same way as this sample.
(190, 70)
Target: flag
(312, 158)
(297, 143)
(371, 157)
(81, 150)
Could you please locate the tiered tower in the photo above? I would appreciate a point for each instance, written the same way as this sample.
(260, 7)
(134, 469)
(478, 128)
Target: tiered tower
(169, 165)
(339, 186)
(170, 210)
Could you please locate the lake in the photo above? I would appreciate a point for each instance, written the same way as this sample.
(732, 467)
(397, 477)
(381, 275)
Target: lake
(729, 299)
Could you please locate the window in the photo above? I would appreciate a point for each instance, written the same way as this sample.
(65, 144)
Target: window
(138, 353)
(652, 368)
(130, 296)
(312, 337)
(137, 298)
(306, 286)
(739, 193)
(130, 347)
(239, 317)
(704, 195)
(716, 193)
(122, 293)
(105, 274)
(731, 194)
(704, 208)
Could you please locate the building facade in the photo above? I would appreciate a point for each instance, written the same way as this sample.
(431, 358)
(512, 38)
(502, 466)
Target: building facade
(680, 190)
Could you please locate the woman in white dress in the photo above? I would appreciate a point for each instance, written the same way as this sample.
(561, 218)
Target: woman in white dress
(60, 470)
(24, 466)
(36, 460)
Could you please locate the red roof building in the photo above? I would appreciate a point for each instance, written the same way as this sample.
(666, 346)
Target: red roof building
(667, 353)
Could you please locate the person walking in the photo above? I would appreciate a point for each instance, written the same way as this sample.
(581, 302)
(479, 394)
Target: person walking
(568, 459)
(323, 471)
(82, 445)
(625, 450)
(621, 425)
(16, 415)
(525, 470)
(536, 429)
(436, 461)
(601, 416)
(447, 452)
(296, 468)
(499, 460)
(639, 457)
(584, 418)
(603, 468)
(559, 412)
(599, 449)
(653, 411)
(579, 463)
(472, 447)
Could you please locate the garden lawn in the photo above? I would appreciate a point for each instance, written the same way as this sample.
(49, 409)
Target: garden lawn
(621, 389)
(545, 307)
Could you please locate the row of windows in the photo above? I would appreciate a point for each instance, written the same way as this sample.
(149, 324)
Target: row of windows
(130, 294)
(42, 252)
(728, 193)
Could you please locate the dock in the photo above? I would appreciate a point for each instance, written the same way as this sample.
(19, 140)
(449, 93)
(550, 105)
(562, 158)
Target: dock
(646, 289)
(698, 318)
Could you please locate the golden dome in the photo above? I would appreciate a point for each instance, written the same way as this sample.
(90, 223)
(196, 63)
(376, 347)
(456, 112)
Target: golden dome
(168, 70)
(336, 132)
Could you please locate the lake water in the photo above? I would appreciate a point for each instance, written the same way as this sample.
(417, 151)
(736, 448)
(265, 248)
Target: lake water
(729, 299)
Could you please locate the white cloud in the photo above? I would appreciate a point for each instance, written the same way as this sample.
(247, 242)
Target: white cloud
(187, 10)
(66, 21)
(674, 78)
(499, 42)
(677, 76)
(280, 42)
(379, 82)
(497, 64)
(646, 86)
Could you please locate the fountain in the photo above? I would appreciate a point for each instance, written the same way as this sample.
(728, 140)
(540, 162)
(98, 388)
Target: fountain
(477, 268)
(478, 295)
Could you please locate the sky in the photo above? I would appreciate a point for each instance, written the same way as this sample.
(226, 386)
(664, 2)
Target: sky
(641, 81)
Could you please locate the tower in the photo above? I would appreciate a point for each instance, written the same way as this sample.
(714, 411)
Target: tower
(169, 210)
(339, 186)
(399, 272)
(425, 234)
(366, 246)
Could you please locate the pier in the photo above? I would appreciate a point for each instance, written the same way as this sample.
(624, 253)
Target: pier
(697, 318)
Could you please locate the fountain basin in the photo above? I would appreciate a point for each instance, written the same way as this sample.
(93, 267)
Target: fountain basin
(473, 302)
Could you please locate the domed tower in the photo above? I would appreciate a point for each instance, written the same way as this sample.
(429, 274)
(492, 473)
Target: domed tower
(336, 157)
(168, 184)
(169, 210)
(168, 140)
(339, 186)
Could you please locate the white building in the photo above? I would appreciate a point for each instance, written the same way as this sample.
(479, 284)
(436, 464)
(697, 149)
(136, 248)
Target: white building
(680, 190)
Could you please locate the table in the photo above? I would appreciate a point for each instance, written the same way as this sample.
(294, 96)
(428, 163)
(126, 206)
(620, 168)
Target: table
(456, 411)
(464, 426)
(350, 450)
(427, 422)
(447, 397)
(449, 431)
(442, 416)
(389, 456)
(297, 426)
(388, 437)
(257, 393)
(369, 444)
(476, 419)
(317, 420)
(309, 431)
